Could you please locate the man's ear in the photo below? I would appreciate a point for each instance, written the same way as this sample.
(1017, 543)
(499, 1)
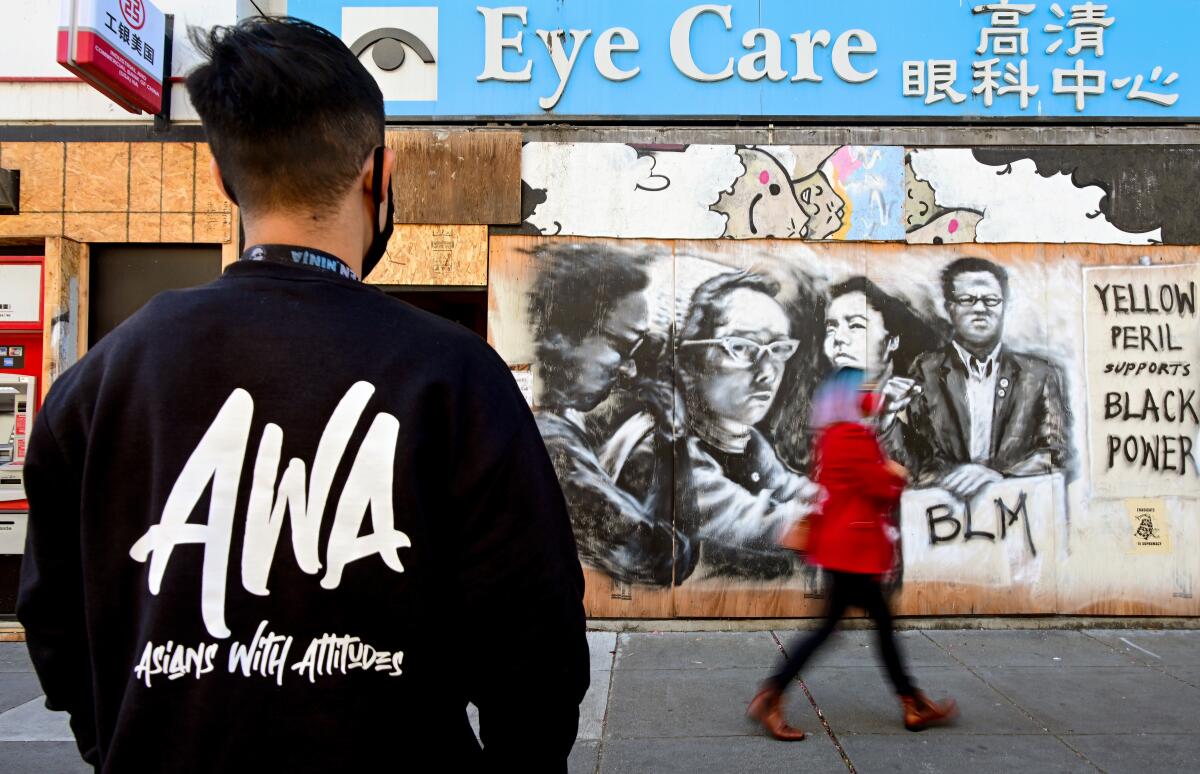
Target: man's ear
(368, 170)
(215, 170)
(366, 174)
(389, 165)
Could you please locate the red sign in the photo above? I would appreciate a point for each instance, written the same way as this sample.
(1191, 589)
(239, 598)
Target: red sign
(118, 46)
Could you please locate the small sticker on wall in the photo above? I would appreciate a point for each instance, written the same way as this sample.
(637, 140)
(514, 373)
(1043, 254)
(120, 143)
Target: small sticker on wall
(1150, 529)
(523, 374)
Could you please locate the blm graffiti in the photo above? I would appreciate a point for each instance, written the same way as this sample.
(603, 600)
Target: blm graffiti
(673, 386)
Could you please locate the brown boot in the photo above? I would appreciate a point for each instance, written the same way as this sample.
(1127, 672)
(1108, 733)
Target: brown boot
(921, 712)
(767, 709)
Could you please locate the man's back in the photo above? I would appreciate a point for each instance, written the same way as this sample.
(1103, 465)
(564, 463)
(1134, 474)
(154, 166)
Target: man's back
(300, 504)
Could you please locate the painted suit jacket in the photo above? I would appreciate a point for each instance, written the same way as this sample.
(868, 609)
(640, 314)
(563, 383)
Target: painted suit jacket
(1029, 417)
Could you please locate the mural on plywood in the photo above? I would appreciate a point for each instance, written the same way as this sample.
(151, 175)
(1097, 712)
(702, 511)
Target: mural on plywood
(713, 191)
(673, 386)
(1092, 194)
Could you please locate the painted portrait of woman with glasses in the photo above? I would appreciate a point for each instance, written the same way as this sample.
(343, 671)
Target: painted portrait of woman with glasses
(733, 348)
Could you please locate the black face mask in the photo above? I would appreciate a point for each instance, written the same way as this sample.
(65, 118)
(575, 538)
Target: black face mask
(384, 225)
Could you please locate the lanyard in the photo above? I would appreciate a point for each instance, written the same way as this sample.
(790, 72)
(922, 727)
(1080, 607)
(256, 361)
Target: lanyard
(290, 255)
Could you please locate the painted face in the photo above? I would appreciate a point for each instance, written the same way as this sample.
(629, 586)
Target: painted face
(976, 309)
(950, 228)
(920, 201)
(824, 207)
(738, 390)
(596, 362)
(856, 337)
(763, 202)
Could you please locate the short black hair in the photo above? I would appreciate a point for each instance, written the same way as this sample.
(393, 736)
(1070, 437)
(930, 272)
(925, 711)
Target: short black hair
(972, 264)
(578, 284)
(290, 113)
(704, 312)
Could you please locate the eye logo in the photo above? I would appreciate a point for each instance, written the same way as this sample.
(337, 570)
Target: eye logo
(399, 47)
(389, 44)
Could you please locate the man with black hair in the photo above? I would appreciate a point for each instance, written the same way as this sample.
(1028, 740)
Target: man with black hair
(592, 326)
(985, 412)
(164, 607)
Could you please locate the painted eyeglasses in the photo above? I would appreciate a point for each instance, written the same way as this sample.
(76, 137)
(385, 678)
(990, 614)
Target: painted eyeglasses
(746, 352)
(991, 302)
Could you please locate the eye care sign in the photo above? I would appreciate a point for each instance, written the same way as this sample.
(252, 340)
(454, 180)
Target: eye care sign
(774, 58)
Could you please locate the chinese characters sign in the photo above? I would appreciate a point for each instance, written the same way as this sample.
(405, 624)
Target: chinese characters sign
(1003, 66)
(935, 58)
(117, 46)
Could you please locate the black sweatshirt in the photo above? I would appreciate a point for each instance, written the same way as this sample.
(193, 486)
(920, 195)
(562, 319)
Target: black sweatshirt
(284, 522)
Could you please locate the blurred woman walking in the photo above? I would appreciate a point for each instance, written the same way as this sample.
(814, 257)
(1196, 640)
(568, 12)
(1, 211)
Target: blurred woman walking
(849, 538)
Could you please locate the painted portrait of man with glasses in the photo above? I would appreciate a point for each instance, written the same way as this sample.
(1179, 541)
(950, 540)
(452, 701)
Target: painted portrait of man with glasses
(986, 411)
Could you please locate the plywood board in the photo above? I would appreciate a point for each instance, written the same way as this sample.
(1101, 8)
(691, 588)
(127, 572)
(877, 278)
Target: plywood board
(116, 192)
(605, 597)
(64, 337)
(434, 255)
(1061, 549)
(460, 177)
(629, 564)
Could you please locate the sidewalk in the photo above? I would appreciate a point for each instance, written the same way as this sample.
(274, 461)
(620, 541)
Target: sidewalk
(1044, 701)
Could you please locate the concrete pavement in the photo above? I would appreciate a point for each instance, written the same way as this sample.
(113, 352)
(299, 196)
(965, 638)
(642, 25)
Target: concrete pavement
(1046, 701)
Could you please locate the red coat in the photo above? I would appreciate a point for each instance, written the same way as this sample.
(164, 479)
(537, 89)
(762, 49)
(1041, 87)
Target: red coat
(847, 534)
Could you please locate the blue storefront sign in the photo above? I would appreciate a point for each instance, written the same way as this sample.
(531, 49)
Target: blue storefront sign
(933, 59)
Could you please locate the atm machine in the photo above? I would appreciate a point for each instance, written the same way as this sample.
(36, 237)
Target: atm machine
(21, 295)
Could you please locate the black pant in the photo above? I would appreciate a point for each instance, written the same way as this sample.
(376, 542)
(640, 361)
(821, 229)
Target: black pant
(848, 589)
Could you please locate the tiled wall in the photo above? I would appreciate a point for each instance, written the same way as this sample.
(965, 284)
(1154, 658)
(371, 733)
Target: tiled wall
(117, 192)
